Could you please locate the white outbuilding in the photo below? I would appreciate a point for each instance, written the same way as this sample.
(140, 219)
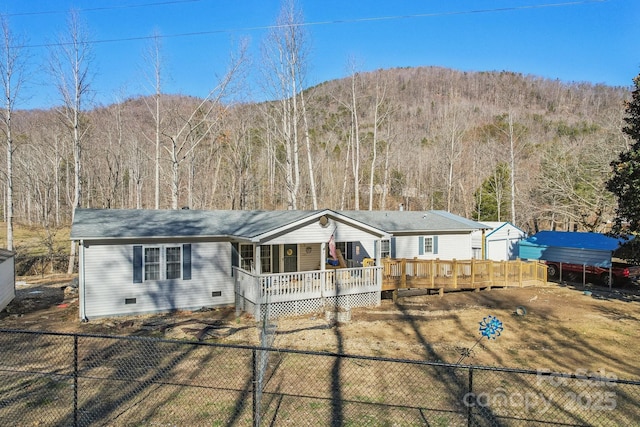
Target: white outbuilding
(500, 241)
(7, 278)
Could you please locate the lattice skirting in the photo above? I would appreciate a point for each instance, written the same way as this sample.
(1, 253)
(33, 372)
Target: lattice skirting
(315, 305)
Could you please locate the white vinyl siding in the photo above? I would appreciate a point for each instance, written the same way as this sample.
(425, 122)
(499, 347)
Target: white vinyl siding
(108, 282)
(311, 259)
(501, 243)
(7, 282)
(314, 232)
(450, 246)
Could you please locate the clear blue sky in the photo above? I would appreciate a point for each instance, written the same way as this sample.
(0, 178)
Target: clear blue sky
(574, 41)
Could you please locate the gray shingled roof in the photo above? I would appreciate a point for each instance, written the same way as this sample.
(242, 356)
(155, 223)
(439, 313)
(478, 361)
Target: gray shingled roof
(147, 223)
(395, 222)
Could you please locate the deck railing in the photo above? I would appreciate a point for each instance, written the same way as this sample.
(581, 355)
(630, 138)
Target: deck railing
(457, 274)
(292, 293)
(281, 287)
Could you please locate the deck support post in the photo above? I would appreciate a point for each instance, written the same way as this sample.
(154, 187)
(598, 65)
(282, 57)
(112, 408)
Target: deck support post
(454, 273)
(473, 272)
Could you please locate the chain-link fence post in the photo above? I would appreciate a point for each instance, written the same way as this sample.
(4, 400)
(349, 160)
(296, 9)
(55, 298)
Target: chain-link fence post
(75, 380)
(255, 386)
(469, 405)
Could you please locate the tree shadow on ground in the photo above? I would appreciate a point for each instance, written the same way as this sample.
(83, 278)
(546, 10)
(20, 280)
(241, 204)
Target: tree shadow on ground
(568, 350)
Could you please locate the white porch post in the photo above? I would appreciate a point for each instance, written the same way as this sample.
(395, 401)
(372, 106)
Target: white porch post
(323, 265)
(257, 268)
(323, 252)
(378, 256)
(257, 264)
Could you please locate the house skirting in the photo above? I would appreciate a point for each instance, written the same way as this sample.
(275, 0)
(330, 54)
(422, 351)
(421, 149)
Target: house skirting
(306, 306)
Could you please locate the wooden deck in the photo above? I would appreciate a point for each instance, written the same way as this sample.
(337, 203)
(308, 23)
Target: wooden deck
(445, 275)
(308, 291)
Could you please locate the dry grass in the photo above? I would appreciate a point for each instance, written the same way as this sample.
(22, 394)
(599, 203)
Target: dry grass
(36, 240)
(563, 330)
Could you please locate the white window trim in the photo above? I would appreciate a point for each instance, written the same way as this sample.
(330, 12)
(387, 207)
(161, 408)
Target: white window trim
(269, 258)
(241, 258)
(424, 246)
(162, 262)
(385, 253)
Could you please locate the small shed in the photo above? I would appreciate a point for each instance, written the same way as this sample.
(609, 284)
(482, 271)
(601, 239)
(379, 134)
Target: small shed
(501, 241)
(572, 247)
(7, 278)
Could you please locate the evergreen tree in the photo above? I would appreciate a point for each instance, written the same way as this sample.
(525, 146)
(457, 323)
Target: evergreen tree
(625, 182)
(492, 198)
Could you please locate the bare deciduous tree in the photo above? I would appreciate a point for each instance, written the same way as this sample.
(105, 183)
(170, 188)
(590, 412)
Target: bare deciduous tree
(13, 62)
(284, 70)
(70, 66)
(154, 57)
(191, 130)
(381, 112)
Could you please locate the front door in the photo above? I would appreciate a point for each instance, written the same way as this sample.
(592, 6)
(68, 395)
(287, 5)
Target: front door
(290, 258)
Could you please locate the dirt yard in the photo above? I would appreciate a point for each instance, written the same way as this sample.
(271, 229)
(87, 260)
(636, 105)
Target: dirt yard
(563, 329)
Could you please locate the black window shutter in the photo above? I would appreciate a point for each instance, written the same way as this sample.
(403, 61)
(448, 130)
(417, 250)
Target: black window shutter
(186, 261)
(137, 264)
(392, 248)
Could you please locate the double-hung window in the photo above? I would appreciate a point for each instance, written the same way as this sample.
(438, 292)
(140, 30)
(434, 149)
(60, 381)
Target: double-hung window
(265, 259)
(385, 249)
(162, 262)
(151, 263)
(246, 257)
(428, 245)
(172, 262)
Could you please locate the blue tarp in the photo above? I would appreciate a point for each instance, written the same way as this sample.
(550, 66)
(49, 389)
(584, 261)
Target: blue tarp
(571, 247)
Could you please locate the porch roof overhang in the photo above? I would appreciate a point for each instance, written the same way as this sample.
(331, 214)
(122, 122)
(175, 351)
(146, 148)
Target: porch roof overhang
(317, 216)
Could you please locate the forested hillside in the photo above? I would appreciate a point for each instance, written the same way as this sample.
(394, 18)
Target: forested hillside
(427, 138)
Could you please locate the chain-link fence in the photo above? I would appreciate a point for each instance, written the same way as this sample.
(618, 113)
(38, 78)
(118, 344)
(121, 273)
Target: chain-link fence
(56, 379)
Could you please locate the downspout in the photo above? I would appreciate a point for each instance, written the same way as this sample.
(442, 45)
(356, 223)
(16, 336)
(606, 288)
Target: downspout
(81, 285)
